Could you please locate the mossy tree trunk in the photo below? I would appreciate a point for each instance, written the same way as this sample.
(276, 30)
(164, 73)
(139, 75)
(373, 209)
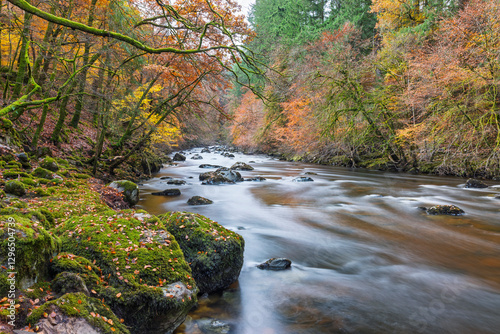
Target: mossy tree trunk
(82, 78)
(22, 64)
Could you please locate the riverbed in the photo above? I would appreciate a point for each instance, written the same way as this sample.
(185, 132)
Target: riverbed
(365, 258)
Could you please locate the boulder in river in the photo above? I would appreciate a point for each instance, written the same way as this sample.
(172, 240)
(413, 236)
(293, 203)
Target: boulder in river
(196, 157)
(303, 179)
(276, 264)
(215, 253)
(198, 200)
(179, 157)
(220, 176)
(241, 166)
(256, 179)
(205, 150)
(168, 192)
(450, 210)
(474, 183)
(129, 189)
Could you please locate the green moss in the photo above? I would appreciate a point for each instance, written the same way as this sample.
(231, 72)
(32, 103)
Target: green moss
(34, 247)
(43, 173)
(81, 176)
(2, 193)
(14, 175)
(41, 192)
(38, 290)
(49, 164)
(215, 253)
(29, 181)
(70, 184)
(45, 217)
(4, 284)
(135, 258)
(16, 188)
(64, 172)
(62, 162)
(13, 164)
(93, 310)
(5, 123)
(56, 181)
(17, 203)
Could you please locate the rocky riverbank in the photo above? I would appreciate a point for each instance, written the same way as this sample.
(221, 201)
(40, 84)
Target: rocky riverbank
(85, 261)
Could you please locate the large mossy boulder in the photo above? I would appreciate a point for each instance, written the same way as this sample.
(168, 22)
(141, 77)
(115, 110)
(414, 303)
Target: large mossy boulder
(34, 247)
(137, 267)
(76, 313)
(16, 188)
(215, 253)
(49, 164)
(129, 189)
(43, 173)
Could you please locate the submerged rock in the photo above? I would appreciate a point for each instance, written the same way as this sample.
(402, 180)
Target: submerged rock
(205, 150)
(198, 200)
(168, 192)
(196, 157)
(176, 182)
(303, 179)
(215, 253)
(450, 210)
(179, 157)
(276, 264)
(129, 189)
(209, 166)
(256, 179)
(241, 166)
(474, 183)
(213, 326)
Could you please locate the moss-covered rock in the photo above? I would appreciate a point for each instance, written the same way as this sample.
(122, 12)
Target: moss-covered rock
(140, 269)
(76, 313)
(34, 247)
(29, 181)
(215, 254)
(43, 173)
(8, 175)
(129, 189)
(50, 164)
(450, 210)
(16, 188)
(66, 282)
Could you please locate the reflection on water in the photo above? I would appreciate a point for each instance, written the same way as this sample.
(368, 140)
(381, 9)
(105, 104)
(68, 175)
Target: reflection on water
(365, 258)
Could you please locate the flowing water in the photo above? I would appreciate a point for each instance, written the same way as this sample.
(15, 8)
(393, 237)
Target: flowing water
(365, 258)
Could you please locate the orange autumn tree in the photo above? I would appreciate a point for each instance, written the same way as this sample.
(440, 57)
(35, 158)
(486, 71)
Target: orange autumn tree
(248, 121)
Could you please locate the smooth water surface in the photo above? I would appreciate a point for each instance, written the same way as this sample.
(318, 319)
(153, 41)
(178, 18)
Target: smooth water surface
(365, 258)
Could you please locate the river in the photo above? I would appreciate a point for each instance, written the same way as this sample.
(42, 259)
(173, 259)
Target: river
(365, 259)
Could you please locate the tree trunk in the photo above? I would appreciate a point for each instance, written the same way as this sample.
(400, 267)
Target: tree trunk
(22, 62)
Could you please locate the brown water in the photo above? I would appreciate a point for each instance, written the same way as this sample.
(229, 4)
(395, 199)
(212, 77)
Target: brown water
(365, 258)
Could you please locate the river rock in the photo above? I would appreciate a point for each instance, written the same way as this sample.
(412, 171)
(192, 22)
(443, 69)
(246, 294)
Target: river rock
(198, 200)
(166, 178)
(22, 157)
(129, 189)
(205, 150)
(148, 281)
(209, 166)
(474, 183)
(310, 173)
(168, 192)
(450, 210)
(213, 326)
(230, 174)
(220, 176)
(215, 254)
(303, 179)
(179, 157)
(227, 155)
(58, 316)
(241, 166)
(176, 182)
(276, 264)
(196, 157)
(256, 179)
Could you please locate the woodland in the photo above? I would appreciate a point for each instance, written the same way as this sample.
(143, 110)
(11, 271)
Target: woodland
(95, 94)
